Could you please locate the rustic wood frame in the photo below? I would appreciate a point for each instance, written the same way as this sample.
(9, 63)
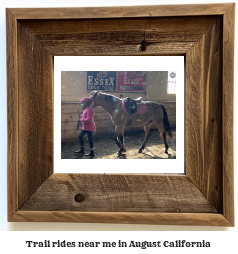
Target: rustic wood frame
(204, 34)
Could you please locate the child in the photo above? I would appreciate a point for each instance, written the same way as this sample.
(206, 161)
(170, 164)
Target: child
(88, 126)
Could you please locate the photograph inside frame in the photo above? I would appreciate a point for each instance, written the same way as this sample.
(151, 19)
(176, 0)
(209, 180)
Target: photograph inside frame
(118, 114)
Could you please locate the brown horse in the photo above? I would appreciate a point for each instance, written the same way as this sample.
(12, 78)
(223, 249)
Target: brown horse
(155, 113)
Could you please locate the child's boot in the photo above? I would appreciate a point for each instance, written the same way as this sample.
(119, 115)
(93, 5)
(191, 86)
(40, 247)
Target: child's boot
(91, 154)
(81, 151)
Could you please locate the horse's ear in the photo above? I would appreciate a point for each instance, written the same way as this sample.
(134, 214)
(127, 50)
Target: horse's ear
(94, 93)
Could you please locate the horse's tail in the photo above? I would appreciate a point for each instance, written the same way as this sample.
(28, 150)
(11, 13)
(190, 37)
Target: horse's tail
(167, 128)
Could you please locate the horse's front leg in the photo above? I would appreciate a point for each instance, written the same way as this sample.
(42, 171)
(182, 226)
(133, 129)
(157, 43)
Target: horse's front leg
(115, 137)
(119, 139)
(122, 145)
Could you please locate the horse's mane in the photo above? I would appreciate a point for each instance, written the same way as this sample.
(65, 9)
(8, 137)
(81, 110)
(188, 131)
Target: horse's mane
(110, 97)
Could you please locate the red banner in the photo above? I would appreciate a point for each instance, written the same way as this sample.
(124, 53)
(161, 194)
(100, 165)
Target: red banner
(131, 81)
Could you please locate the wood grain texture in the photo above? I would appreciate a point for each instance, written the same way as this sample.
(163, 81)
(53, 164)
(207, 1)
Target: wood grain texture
(121, 12)
(227, 113)
(190, 219)
(57, 29)
(36, 114)
(12, 114)
(73, 48)
(203, 114)
(119, 193)
(119, 36)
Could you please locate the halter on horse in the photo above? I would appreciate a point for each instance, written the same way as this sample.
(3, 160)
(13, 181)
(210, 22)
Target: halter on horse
(155, 113)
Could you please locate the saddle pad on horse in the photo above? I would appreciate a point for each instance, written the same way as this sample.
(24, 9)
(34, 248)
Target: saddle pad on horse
(130, 107)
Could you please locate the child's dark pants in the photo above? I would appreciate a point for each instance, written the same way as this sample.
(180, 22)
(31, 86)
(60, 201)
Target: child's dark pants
(90, 138)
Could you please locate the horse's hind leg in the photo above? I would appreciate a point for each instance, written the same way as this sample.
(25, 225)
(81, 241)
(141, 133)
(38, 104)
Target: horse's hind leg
(147, 135)
(163, 135)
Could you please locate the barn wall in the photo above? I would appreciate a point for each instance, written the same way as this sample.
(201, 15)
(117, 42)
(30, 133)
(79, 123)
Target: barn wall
(73, 88)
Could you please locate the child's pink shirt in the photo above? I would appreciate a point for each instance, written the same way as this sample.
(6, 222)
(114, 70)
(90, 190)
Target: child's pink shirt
(87, 120)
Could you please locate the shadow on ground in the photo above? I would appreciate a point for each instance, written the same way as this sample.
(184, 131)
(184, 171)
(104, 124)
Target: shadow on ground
(106, 148)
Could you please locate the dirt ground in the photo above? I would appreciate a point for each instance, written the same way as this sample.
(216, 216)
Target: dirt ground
(106, 148)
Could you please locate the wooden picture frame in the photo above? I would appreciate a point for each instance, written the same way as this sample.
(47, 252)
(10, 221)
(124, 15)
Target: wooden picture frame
(204, 34)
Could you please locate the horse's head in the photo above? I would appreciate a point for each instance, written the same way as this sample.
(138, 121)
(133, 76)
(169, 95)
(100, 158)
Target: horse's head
(92, 97)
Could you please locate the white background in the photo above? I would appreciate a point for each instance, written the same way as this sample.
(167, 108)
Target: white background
(10, 241)
(120, 63)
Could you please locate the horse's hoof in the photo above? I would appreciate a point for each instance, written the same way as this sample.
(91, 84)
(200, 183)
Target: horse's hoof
(140, 151)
